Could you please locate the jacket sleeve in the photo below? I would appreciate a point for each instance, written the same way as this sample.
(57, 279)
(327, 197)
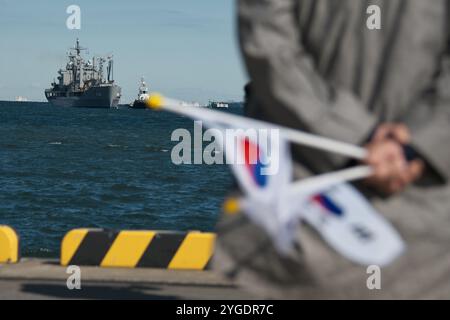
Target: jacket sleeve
(286, 85)
(430, 124)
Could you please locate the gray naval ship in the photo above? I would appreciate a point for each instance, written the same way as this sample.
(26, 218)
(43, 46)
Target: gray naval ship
(83, 84)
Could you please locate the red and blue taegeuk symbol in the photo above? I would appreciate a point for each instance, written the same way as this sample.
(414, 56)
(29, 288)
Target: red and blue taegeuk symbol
(328, 205)
(254, 166)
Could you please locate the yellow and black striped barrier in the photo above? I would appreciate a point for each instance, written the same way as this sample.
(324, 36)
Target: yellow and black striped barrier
(135, 249)
(9, 245)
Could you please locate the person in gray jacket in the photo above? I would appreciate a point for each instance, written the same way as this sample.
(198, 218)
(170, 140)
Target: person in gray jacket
(315, 65)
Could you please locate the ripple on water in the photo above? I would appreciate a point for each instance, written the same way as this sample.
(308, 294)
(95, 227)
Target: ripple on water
(65, 168)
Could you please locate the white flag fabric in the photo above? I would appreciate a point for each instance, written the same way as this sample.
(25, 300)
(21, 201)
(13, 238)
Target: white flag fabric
(351, 225)
(262, 166)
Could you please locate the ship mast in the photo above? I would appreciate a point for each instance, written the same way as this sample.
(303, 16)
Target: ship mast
(78, 48)
(77, 65)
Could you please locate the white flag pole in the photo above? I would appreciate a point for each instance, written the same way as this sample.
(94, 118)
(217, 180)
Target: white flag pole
(319, 183)
(309, 186)
(307, 139)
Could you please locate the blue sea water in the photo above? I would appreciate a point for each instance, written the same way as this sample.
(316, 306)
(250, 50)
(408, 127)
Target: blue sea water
(65, 168)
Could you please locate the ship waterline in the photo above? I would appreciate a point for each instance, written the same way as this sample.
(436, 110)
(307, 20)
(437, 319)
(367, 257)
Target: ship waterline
(98, 97)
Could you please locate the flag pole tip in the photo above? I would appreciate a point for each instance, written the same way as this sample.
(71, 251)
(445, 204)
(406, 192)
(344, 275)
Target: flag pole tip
(231, 206)
(155, 101)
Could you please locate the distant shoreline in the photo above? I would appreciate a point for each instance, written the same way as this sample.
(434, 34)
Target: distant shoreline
(28, 101)
(232, 104)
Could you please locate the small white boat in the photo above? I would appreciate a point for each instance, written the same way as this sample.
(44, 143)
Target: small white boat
(143, 95)
(217, 104)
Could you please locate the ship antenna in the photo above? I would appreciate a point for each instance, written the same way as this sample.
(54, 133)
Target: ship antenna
(78, 48)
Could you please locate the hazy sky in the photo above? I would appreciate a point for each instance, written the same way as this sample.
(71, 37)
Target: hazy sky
(184, 48)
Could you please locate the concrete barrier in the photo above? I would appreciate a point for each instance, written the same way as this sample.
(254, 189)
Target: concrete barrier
(134, 249)
(9, 245)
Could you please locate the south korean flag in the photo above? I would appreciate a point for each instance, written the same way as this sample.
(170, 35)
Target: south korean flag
(352, 226)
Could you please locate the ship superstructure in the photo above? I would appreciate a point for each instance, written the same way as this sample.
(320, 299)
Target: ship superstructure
(83, 83)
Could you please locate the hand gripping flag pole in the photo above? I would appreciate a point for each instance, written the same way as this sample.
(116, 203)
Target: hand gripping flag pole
(340, 214)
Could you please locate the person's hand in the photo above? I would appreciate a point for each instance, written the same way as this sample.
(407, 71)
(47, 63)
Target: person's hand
(392, 172)
(389, 165)
(395, 131)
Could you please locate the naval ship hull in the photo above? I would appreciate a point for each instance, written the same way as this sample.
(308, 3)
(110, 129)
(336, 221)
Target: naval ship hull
(107, 96)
